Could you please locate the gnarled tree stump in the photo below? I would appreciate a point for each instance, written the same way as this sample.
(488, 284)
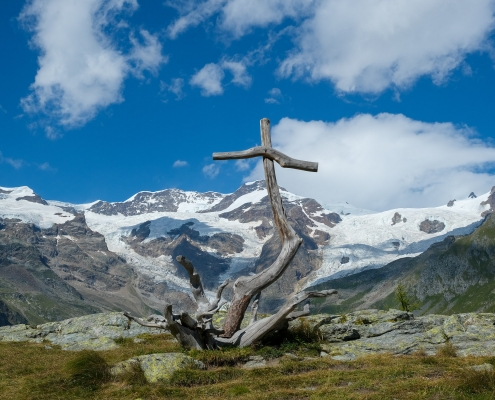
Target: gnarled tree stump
(198, 332)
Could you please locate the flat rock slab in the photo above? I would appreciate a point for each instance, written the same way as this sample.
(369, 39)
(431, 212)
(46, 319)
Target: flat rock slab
(157, 367)
(255, 362)
(90, 332)
(398, 332)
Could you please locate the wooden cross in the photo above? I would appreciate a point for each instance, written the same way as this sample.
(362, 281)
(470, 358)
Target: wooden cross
(247, 287)
(266, 151)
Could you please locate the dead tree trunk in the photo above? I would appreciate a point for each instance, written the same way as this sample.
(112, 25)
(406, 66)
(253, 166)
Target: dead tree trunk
(248, 286)
(199, 332)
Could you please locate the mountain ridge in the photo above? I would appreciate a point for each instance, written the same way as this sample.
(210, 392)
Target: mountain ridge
(226, 235)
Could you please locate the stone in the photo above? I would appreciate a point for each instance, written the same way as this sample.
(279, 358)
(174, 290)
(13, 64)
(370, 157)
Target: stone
(431, 227)
(398, 332)
(157, 367)
(90, 332)
(255, 362)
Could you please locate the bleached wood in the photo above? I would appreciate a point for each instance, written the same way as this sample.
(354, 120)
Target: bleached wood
(216, 304)
(254, 309)
(297, 314)
(246, 287)
(255, 332)
(149, 324)
(199, 332)
(195, 285)
(267, 152)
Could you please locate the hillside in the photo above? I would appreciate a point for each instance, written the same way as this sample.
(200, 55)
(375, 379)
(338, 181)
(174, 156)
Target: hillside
(453, 276)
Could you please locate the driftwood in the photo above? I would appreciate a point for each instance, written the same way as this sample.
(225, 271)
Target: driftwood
(198, 331)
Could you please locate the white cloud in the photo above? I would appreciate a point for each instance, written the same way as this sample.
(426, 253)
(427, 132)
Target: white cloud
(11, 161)
(384, 161)
(175, 87)
(369, 45)
(209, 79)
(239, 72)
(81, 69)
(180, 163)
(275, 96)
(243, 165)
(211, 170)
(193, 14)
(46, 167)
(361, 45)
(238, 17)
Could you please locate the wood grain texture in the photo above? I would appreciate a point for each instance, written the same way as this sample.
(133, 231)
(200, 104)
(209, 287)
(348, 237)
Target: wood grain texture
(267, 152)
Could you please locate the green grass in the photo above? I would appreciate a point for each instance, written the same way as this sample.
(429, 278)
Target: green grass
(31, 372)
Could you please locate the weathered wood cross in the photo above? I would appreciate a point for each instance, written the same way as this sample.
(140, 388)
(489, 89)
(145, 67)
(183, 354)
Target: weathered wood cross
(199, 332)
(247, 287)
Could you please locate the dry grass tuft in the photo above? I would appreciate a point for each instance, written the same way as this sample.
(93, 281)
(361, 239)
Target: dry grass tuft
(447, 350)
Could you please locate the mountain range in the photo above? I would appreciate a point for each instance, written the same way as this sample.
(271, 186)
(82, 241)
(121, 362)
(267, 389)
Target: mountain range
(59, 260)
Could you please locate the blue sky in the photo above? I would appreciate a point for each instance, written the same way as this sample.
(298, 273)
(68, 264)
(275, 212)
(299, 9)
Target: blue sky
(100, 99)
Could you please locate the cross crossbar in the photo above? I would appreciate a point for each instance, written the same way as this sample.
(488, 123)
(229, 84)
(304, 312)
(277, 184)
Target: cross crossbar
(268, 152)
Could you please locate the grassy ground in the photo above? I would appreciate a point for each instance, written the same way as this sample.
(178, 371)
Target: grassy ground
(30, 371)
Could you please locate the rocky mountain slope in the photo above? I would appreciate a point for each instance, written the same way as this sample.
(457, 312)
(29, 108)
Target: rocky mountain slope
(65, 260)
(452, 276)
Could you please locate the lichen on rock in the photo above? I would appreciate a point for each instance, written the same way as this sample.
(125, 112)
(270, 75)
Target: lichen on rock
(157, 367)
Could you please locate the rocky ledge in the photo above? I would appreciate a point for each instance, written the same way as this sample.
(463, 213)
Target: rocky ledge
(90, 332)
(349, 336)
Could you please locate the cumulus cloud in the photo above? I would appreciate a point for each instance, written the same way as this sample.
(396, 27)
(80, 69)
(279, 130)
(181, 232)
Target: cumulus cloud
(363, 45)
(180, 163)
(384, 161)
(211, 170)
(209, 79)
(11, 161)
(239, 72)
(81, 67)
(369, 45)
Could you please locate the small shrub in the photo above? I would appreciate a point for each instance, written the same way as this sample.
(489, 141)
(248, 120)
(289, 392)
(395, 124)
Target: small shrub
(343, 318)
(303, 332)
(88, 369)
(405, 302)
(447, 350)
(421, 352)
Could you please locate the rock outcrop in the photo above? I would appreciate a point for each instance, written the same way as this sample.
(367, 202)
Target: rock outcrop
(430, 227)
(349, 336)
(90, 332)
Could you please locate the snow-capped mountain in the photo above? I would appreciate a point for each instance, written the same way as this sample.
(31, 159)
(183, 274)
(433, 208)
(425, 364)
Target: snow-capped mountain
(227, 235)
